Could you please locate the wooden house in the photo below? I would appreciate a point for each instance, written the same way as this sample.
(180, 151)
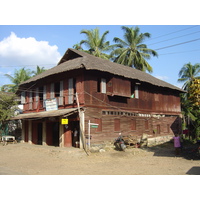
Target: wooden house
(83, 91)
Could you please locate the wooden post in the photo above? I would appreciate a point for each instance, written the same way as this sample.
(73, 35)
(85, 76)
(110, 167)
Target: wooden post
(61, 133)
(44, 137)
(81, 126)
(29, 131)
(23, 131)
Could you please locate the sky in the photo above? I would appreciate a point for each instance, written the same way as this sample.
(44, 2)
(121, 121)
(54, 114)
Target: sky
(43, 45)
(28, 46)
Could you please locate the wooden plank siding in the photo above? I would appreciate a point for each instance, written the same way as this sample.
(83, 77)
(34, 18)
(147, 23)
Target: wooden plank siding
(116, 110)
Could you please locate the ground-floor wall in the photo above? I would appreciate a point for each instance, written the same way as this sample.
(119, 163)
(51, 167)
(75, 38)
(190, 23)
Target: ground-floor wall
(111, 123)
(50, 131)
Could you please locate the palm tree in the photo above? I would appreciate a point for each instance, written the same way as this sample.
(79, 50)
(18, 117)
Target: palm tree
(188, 73)
(96, 44)
(39, 70)
(19, 77)
(77, 46)
(131, 51)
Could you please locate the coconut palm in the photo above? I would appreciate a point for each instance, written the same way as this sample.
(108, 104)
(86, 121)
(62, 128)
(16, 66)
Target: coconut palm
(77, 46)
(39, 70)
(96, 44)
(188, 73)
(19, 77)
(131, 51)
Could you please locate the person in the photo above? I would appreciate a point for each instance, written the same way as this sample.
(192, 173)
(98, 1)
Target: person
(75, 138)
(177, 143)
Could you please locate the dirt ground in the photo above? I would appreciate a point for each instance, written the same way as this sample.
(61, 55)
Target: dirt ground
(26, 159)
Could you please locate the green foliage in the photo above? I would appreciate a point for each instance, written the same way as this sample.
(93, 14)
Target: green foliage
(132, 51)
(7, 106)
(20, 76)
(96, 44)
(39, 70)
(188, 73)
(194, 94)
(190, 101)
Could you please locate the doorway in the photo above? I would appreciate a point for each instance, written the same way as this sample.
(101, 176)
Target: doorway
(39, 131)
(75, 134)
(55, 134)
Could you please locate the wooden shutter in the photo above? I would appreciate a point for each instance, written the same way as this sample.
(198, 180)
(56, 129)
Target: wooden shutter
(70, 91)
(103, 85)
(52, 93)
(133, 124)
(44, 95)
(116, 124)
(36, 98)
(30, 100)
(60, 99)
(23, 98)
(136, 92)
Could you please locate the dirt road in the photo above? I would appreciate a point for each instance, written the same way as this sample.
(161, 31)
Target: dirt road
(29, 159)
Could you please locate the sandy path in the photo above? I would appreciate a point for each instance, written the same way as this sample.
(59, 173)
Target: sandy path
(38, 160)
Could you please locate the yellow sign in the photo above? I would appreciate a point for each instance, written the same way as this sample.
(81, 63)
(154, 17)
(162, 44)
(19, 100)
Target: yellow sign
(64, 121)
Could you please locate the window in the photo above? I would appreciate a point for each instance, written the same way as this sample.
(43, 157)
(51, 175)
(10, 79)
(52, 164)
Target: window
(71, 90)
(52, 93)
(44, 95)
(57, 89)
(30, 100)
(146, 124)
(59, 92)
(99, 122)
(136, 92)
(23, 97)
(133, 124)
(41, 95)
(116, 124)
(101, 86)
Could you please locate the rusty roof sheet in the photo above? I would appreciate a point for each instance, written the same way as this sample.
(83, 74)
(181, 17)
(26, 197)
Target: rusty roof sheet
(52, 113)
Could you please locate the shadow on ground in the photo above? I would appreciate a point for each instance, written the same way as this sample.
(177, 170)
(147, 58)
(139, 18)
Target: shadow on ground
(189, 151)
(194, 171)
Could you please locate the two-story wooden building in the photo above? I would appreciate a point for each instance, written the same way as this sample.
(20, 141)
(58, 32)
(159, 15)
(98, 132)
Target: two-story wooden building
(83, 88)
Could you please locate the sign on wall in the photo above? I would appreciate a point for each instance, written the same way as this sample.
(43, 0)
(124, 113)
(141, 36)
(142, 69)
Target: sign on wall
(64, 121)
(51, 104)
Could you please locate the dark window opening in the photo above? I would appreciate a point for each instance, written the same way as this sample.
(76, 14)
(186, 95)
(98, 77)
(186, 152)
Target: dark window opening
(118, 99)
(57, 89)
(55, 132)
(99, 85)
(39, 130)
(41, 90)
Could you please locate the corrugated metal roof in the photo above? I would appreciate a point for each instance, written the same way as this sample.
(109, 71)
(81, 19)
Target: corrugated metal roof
(81, 59)
(54, 113)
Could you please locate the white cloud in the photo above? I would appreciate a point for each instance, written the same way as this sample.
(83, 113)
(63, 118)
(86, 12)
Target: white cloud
(27, 51)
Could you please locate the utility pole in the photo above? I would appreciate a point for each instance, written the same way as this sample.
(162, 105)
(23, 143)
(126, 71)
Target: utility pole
(81, 125)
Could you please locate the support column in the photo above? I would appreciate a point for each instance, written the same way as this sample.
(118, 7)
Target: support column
(29, 131)
(44, 133)
(61, 133)
(23, 131)
(82, 126)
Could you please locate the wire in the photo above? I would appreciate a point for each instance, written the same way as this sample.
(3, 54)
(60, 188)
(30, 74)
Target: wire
(173, 38)
(173, 32)
(177, 44)
(179, 52)
(24, 65)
